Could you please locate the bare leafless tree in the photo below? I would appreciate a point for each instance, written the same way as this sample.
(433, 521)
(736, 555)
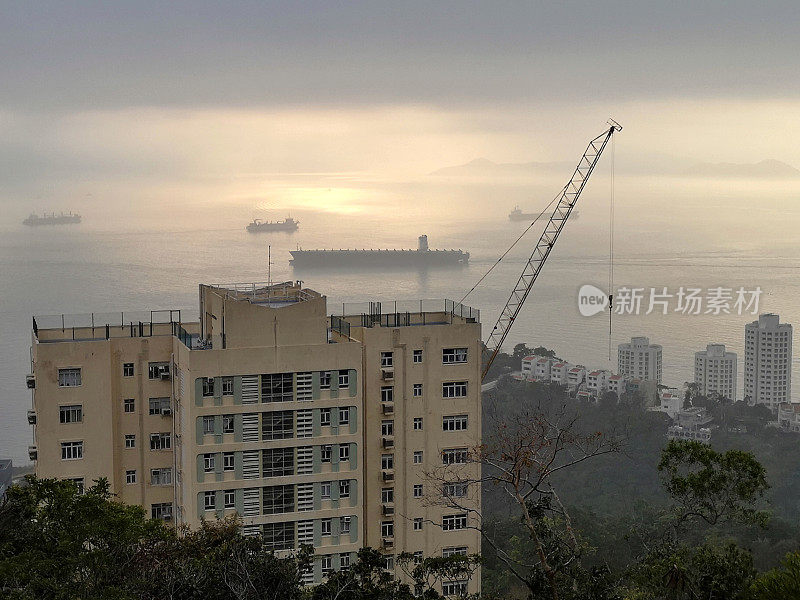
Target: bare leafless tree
(520, 457)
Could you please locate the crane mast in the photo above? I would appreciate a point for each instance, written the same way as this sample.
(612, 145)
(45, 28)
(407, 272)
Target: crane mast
(566, 202)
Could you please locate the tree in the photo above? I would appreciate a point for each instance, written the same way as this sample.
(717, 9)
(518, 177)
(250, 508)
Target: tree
(521, 457)
(783, 582)
(712, 486)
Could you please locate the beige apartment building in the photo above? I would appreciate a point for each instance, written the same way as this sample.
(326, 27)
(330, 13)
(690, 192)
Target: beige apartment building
(315, 429)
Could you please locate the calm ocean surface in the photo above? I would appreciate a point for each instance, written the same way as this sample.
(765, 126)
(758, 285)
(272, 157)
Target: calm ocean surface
(663, 239)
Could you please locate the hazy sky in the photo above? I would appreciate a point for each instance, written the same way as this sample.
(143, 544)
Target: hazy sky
(116, 98)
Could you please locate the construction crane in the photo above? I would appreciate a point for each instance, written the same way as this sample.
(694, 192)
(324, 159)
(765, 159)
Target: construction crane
(566, 202)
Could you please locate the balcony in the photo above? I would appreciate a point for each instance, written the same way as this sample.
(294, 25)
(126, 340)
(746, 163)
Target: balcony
(387, 510)
(387, 442)
(388, 408)
(387, 543)
(387, 475)
(387, 373)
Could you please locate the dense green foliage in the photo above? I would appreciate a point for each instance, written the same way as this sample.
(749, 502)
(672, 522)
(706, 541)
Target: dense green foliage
(56, 543)
(658, 519)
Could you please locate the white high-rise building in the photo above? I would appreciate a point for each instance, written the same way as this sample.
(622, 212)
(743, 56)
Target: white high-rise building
(715, 371)
(768, 361)
(640, 359)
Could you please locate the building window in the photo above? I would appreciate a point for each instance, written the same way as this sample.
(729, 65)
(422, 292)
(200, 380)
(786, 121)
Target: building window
(344, 525)
(279, 536)
(325, 417)
(387, 495)
(387, 427)
(418, 457)
(227, 423)
(344, 560)
(344, 488)
(388, 562)
(162, 510)
(130, 477)
(277, 387)
(325, 380)
(417, 356)
(127, 370)
(344, 416)
(454, 423)
(208, 387)
(278, 499)
(79, 484)
(129, 405)
(158, 406)
(325, 490)
(155, 369)
(454, 588)
(208, 425)
(417, 557)
(417, 390)
(387, 360)
(130, 440)
(326, 453)
(230, 499)
(326, 562)
(278, 462)
(344, 378)
(417, 423)
(326, 526)
(227, 386)
(278, 425)
(210, 500)
(451, 522)
(160, 441)
(387, 393)
(451, 456)
(69, 377)
(417, 490)
(162, 476)
(72, 413)
(454, 490)
(71, 450)
(228, 461)
(344, 452)
(387, 462)
(454, 355)
(209, 462)
(387, 529)
(454, 551)
(418, 524)
(454, 389)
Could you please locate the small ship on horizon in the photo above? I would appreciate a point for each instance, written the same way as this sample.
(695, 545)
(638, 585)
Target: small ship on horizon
(422, 256)
(34, 220)
(288, 224)
(518, 215)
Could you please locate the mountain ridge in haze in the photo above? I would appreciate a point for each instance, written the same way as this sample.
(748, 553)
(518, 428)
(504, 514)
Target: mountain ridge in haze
(767, 168)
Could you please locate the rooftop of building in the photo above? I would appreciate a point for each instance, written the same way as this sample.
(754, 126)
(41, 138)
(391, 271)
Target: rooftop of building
(274, 295)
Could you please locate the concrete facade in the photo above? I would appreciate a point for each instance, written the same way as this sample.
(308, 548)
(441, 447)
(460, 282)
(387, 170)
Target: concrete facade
(715, 371)
(768, 361)
(270, 409)
(640, 359)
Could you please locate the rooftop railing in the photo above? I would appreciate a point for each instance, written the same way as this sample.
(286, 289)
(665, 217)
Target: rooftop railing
(100, 326)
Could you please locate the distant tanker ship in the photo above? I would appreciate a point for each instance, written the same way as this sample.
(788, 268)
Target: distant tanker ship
(52, 219)
(422, 256)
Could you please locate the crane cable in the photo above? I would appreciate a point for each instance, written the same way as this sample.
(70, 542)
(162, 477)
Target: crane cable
(511, 247)
(611, 251)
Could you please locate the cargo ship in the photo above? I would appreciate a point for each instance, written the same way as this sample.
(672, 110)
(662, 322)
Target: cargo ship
(52, 219)
(422, 256)
(288, 224)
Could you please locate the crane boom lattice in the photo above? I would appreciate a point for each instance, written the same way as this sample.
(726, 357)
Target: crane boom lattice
(566, 202)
